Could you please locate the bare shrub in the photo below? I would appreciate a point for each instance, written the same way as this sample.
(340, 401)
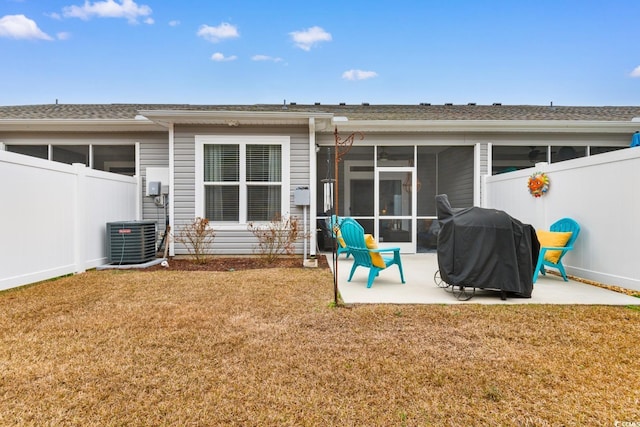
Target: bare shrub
(197, 237)
(276, 237)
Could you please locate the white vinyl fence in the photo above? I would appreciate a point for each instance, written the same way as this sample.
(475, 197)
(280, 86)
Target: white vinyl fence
(53, 217)
(602, 193)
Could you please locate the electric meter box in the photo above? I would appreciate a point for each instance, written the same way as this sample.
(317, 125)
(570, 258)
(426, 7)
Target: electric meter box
(153, 188)
(301, 196)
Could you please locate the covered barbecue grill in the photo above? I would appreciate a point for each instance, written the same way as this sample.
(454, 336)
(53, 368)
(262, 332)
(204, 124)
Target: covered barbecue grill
(485, 249)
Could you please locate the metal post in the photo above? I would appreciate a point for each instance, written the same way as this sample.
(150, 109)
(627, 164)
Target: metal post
(342, 147)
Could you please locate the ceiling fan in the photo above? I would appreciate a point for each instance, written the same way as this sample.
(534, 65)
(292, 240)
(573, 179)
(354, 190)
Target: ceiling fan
(384, 155)
(533, 154)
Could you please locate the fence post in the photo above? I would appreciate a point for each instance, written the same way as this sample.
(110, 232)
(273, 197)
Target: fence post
(542, 210)
(483, 191)
(80, 212)
(138, 196)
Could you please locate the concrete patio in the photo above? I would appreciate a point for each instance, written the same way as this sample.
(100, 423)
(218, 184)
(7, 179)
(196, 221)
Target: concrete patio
(420, 287)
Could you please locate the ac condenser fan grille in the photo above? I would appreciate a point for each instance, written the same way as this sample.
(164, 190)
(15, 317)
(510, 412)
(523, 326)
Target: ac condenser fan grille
(131, 242)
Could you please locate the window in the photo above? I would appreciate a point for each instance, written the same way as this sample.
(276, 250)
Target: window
(119, 159)
(600, 150)
(70, 154)
(39, 151)
(507, 158)
(567, 152)
(242, 179)
(115, 158)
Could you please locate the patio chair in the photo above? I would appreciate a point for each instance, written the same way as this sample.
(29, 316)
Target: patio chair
(341, 247)
(366, 253)
(554, 244)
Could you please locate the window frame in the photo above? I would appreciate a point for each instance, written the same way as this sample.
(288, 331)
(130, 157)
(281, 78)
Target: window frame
(129, 164)
(242, 141)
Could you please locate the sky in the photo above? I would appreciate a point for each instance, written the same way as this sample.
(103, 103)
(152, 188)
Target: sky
(516, 52)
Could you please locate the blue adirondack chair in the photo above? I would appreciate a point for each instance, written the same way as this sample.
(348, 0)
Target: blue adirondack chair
(363, 256)
(562, 225)
(335, 225)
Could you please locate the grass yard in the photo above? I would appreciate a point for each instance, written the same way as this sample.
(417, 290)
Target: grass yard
(266, 348)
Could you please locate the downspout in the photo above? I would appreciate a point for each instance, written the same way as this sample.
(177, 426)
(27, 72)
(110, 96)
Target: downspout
(313, 176)
(172, 250)
(139, 179)
(485, 196)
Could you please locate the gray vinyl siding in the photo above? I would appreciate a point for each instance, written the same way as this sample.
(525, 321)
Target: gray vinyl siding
(184, 178)
(154, 153)
(455, 175)
(238, 241)
(484, 168)
(484, 161)
(184, 182)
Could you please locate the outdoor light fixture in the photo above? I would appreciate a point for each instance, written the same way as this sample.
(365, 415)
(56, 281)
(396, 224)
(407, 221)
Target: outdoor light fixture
(407, 184)
(383, 156)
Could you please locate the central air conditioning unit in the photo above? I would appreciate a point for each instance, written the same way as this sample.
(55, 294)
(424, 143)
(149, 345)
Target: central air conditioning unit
(131, 242)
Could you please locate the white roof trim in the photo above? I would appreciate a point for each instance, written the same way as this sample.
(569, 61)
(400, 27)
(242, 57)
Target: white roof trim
(115, 125)
(498, 126)
(167, 117)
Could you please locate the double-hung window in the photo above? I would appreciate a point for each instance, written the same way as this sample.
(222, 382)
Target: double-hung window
(242, 179)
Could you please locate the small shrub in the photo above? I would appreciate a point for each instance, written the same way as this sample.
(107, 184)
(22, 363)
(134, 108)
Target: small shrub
(197, 237)
(276, 237)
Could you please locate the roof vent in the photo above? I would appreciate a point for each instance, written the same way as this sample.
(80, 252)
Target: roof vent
(317, 103)
(497, 104)
(365, 103)
(425, 103)
(471, 103)
(448, 103)
(343, 103)
(293, 103)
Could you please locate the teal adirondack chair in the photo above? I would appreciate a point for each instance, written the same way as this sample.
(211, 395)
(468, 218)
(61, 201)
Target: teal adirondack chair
(562, 225)
(363, 256)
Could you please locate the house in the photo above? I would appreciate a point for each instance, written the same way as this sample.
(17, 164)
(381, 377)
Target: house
(236, 164)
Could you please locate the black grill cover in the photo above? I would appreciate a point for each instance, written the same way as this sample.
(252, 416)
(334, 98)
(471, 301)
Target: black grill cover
(485, 248)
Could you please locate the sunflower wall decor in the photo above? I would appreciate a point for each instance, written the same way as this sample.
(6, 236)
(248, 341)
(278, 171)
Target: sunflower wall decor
(538, 184)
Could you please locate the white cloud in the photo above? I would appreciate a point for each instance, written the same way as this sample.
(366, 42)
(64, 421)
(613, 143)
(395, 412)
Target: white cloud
(265, 58)
(636, 72)
(63, 35)
(21, 27)
(359, 75)
(310, 37)
(219, 57)
(174, 23)
(109, 9)
(216, 34)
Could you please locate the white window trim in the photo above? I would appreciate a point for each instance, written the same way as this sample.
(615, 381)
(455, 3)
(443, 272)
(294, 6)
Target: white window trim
(202, 140)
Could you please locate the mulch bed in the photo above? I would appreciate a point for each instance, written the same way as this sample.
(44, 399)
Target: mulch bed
(235, 263)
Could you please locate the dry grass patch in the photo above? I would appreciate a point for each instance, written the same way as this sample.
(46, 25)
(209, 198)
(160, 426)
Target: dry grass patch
(264, 347)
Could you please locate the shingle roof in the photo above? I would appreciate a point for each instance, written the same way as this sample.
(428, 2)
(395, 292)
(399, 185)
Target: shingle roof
(352, 112)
